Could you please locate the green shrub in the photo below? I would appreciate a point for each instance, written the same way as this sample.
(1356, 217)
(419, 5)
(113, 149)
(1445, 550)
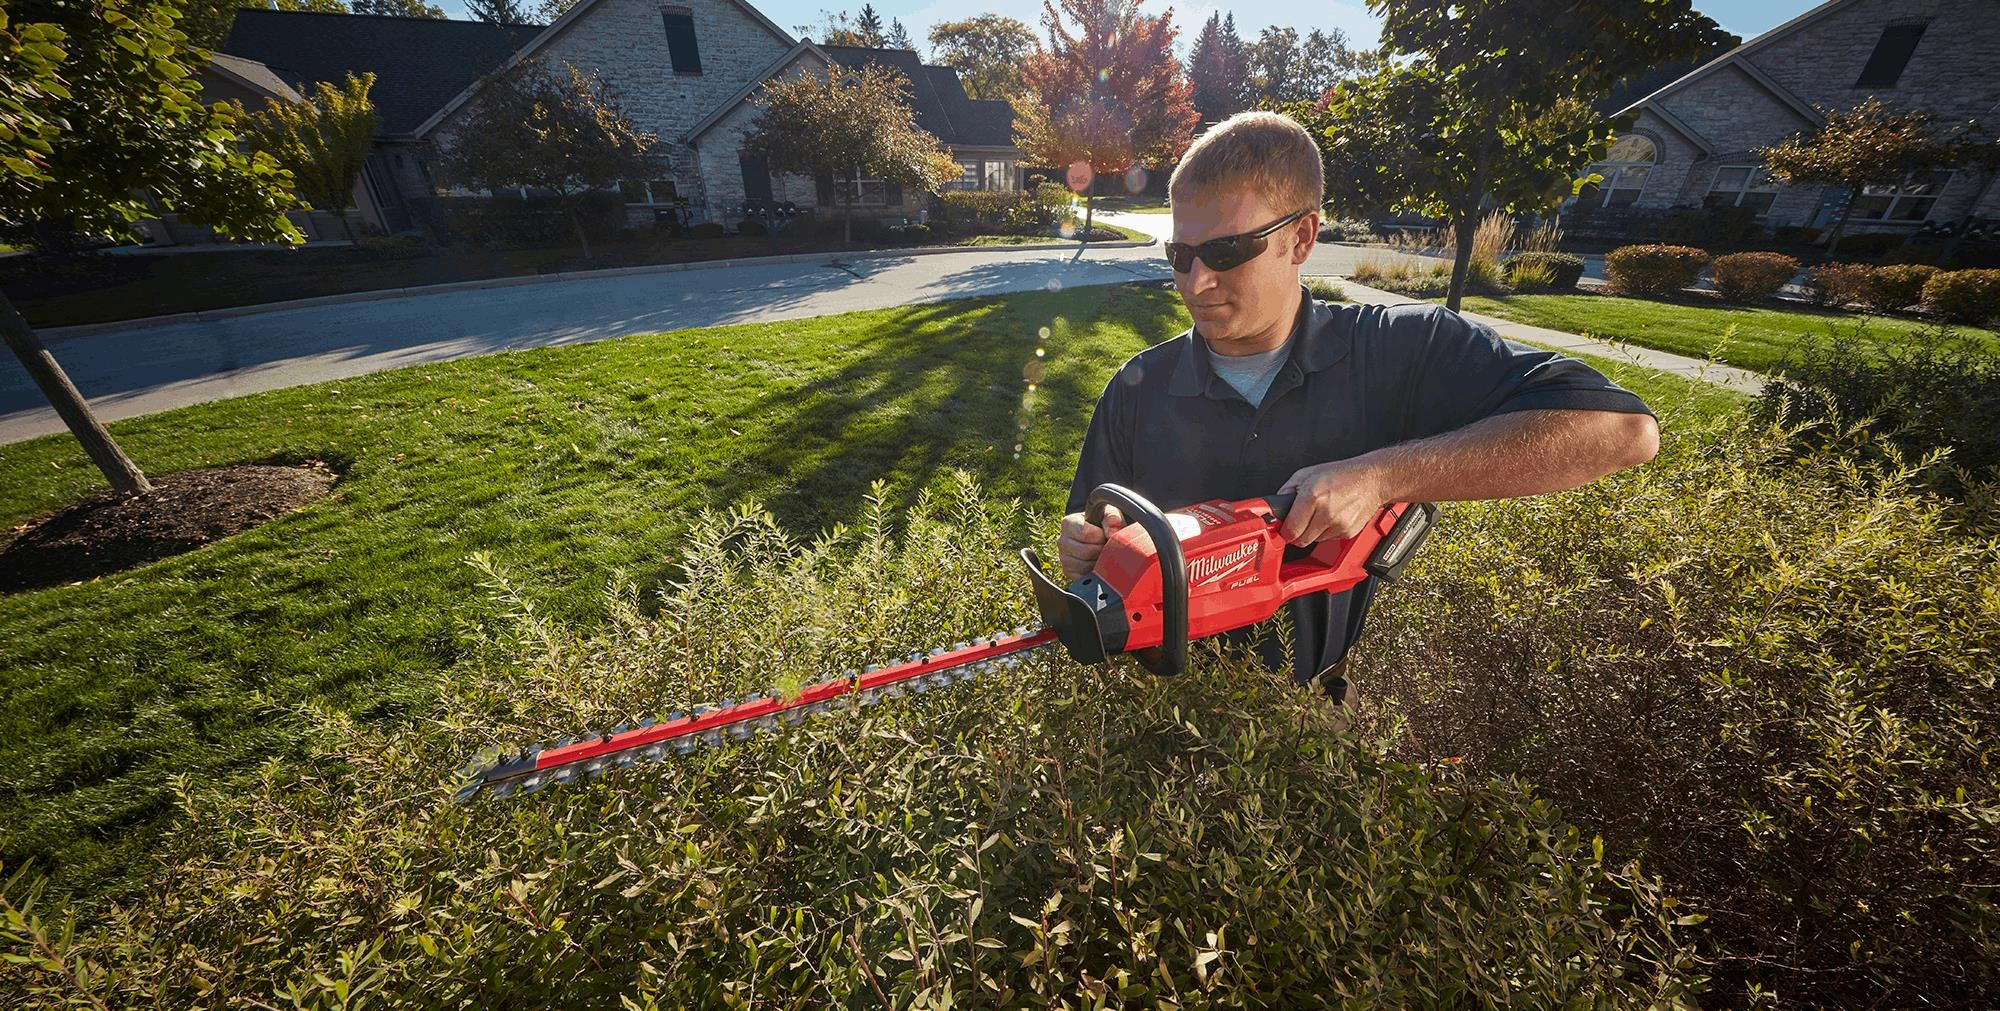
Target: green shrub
(1896, 287)
(1794, 235)
(394, 247)
(1325, 289)
(1869, 243)
(1762, 664)
(1345, 230)
(707, 230)
(1546, 271)
(1041, 836)
(751, 226)
(1003, 212)
(1940, 391)
(1839, 284)
(511, 220)
(1753, 277)
(913, 231)
(1964, 296)
(1653, 271)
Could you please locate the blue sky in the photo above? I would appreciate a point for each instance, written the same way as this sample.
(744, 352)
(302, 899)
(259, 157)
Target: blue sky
(1744, 17)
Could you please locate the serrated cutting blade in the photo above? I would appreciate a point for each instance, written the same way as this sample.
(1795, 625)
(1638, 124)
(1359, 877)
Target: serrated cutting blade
(532, 769)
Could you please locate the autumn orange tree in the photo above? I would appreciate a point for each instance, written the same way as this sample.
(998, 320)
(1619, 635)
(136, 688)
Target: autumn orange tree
(1105, 92)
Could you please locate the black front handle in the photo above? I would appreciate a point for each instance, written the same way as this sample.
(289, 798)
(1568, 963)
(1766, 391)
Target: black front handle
(1172, 656)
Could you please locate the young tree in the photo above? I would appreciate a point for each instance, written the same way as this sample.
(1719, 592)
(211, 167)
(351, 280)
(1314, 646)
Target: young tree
(1217, 73)
(1868, 145)
(987, 51)
(869, 24)
(500, 12)
(97, 106)
(1105, 96)
(850, 125)
(557, 131)
(322, 141)
(1488, 106)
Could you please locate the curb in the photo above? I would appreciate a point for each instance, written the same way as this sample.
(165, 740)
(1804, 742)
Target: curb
(52, 334)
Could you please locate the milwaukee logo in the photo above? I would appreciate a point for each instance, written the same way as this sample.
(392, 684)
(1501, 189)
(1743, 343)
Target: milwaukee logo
(1208, 569)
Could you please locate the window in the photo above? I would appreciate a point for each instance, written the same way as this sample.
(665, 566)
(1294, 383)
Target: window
(1624, 171)
(1891, 55)
(968, 177)
(1911, 201)
(648, 191)
(1742, 186)
(681, 47)
(996, 176)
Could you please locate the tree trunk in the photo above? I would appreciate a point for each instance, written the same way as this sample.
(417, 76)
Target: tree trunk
(1833, 241)
(847, 213)
(118, 468)
(577, 223)
(1461, 260)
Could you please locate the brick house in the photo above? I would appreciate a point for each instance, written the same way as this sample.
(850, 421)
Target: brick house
(685, 70)
(1693, 141)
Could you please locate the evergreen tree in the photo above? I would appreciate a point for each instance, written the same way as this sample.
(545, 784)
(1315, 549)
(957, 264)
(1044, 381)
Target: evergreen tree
(398, 8)
(869, 24)
(500, 12)
(898, 37)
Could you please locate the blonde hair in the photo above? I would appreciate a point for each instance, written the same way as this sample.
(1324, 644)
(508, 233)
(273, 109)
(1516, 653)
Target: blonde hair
(1269, 153)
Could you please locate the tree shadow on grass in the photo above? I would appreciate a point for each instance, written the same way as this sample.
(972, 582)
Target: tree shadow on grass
(943, 387)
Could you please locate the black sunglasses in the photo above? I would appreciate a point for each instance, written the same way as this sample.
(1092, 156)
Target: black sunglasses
(1230, 251)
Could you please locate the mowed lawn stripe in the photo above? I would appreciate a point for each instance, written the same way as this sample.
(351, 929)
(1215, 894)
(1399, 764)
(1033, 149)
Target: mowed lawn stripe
(565, 463)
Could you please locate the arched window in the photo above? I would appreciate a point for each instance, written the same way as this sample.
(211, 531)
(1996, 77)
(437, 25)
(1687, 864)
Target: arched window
(1624, 170)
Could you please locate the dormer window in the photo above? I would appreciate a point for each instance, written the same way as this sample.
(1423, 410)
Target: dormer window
(681, 48)
(1892, 54)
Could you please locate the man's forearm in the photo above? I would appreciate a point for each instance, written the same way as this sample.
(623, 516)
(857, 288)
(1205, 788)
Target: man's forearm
(1510, 455)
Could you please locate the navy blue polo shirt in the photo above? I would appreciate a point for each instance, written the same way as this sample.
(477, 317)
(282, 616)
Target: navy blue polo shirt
(1359, 378)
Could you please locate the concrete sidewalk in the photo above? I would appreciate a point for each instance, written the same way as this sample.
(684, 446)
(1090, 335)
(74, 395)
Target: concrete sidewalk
(1727, 376)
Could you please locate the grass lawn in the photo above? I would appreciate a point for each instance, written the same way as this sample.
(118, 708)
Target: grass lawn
(130, 287)
(565, 463)
(1763, 339)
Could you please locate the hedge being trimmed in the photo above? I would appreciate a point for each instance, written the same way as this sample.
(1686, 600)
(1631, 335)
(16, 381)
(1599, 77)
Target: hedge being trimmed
(1964, 296)
(1753, 277)
(1058, 836)
(1653, 271)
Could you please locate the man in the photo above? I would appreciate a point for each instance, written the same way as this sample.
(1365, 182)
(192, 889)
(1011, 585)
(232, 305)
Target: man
(1351, 407)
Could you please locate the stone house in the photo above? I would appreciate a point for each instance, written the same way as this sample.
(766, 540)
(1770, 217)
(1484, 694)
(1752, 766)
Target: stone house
(685, 70)
(1693, 141)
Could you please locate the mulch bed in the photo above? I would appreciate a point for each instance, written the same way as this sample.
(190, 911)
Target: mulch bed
(110, 532)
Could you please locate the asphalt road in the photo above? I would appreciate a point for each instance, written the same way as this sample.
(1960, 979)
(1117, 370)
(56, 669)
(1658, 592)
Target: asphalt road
(129, 372)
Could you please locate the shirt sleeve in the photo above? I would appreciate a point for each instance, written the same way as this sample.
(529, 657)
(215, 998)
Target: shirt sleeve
(1456, 372)
(1107, 447)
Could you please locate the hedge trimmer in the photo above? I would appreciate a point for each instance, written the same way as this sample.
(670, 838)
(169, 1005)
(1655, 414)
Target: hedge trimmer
(1163, 579)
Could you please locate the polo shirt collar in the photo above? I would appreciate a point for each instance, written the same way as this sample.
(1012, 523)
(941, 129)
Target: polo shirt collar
(1314, 341)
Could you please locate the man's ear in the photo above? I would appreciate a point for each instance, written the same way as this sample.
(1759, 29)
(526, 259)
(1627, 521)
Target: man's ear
(1306, 238)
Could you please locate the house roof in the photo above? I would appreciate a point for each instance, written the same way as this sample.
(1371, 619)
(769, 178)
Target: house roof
(540, 37)
(250, 75)
(1737, 57)
(942, 106)
(419, 63)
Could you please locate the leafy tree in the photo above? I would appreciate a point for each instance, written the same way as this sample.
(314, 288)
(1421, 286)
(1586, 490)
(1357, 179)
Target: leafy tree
(1325, 60)
(1868, 145)
(1218, 71)
(207, 22)
(97, 107)
(987, 51)
(322, 141)
(844, 29)
(1484, 104)
(500, 12)
(550, 11)
(1104, 96)
(850, 125)
(556, 131)
(398, 8)
(1275, 67)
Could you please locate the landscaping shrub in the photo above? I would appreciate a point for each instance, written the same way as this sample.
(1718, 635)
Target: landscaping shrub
(1964, 296)
(752, 226)
(1869, 244)
(1795, 235)
(1940, 391)
(1763, 664)
(1545, 271)
(1753, 277)
(707, 230)
(510, 220)
(1839, 284)
(1046, 836)
(1346, 230)
(1325, 289)
(1003, 212)
(1653, 270)
(1895, 287)
(912, 231)
(1725, 227)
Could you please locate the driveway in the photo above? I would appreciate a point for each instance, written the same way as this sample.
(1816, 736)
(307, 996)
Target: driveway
(128, 372)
